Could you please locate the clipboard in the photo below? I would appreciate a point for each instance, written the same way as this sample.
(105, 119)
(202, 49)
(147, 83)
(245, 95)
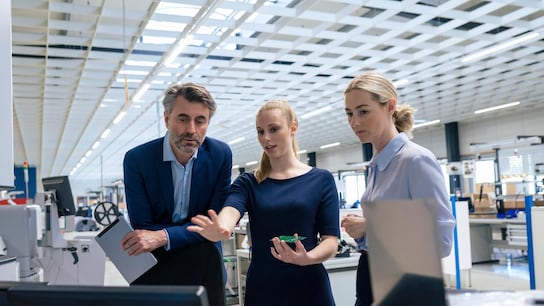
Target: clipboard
(404, 252)
(131, 267)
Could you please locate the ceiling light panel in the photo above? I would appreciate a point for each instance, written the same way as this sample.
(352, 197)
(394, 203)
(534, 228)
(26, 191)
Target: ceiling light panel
(249, 52)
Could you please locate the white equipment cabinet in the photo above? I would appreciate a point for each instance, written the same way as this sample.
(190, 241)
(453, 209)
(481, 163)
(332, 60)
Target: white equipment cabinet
(463, 244)
(537, 214)
(81, 262)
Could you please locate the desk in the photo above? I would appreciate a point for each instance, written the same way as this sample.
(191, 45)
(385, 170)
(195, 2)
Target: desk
(487, 233)
(342, 274)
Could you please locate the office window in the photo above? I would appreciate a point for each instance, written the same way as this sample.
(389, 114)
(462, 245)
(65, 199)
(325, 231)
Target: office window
(355, 187)
(484, 171)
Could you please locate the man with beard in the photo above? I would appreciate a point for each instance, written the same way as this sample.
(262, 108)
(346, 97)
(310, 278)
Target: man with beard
(171, 179)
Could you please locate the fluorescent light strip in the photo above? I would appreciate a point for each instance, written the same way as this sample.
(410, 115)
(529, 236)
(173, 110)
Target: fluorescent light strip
(177, 50)
(316, 112)
(330, 145)
(499, 47)
(140, 92)
(105, 133)
(119, 117)
(237, 140)
(132, 72)
(302, 151)
(235, 167)
(401, 82)
(140, 63)
(426, 124)
(494, 108)
(122, 80)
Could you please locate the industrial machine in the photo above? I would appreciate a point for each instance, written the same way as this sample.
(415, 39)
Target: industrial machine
(43, 240)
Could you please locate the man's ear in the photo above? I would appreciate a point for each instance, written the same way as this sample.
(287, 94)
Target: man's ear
(166, 118)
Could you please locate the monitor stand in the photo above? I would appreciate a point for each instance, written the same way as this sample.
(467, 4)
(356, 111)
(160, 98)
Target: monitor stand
(53, 235)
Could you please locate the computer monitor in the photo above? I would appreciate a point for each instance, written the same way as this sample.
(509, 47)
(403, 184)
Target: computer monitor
(145, 295)
(6, 285)
(60, 188)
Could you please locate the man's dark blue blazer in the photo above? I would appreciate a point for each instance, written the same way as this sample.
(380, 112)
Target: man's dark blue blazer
(149, 188)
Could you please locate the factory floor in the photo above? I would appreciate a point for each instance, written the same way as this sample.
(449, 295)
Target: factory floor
(503, 274)
(494, 276)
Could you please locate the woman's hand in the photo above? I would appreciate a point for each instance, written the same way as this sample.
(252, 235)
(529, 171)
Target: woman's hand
(355, 225)
(282, 251)
(209, 227)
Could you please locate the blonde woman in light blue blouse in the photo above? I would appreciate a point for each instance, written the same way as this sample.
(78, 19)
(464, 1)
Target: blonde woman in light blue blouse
(400, 169)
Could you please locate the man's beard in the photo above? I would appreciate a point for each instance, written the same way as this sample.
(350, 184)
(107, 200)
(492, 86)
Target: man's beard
(186, 148)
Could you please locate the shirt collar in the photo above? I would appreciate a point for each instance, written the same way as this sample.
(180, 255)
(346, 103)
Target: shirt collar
(168, 154)
(394, 145)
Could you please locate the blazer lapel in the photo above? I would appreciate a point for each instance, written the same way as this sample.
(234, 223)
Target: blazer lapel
(198, 179)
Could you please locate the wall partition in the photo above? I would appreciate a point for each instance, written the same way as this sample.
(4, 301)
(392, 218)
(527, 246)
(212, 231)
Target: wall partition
(6, 94)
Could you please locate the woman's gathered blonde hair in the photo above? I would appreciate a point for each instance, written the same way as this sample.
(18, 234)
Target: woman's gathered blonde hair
(264, 167)
(382, 90)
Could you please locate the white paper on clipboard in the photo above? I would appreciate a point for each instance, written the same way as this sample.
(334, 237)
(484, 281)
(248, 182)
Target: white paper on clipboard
(131, 267)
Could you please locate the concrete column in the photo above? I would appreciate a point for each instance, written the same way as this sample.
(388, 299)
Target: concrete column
(454, 155)
(312, 159)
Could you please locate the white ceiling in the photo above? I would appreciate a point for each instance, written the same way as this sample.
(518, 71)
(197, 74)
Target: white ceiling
(71, 58)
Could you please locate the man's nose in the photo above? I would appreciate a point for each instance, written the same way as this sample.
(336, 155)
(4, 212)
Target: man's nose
(190, 127)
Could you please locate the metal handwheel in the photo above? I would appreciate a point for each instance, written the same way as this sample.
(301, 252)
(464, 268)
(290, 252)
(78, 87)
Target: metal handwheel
(105, 213)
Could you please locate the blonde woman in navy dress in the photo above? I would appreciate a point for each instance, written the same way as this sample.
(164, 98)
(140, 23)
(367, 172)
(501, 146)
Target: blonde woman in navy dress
(283, 197)
(399, 169)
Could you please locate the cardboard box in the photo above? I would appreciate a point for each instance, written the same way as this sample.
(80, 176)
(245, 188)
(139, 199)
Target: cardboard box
(510, 204)
(520, 201)
(514, 201)
(487, 187)
(239, 239)
(511, 188)
(485, 203)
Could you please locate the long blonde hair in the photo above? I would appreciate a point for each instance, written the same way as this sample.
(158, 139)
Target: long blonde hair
(383, 90)
(264, 167)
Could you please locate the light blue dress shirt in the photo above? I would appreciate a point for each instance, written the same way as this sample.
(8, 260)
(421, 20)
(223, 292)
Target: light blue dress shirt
(181, 177)
(404, 170)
